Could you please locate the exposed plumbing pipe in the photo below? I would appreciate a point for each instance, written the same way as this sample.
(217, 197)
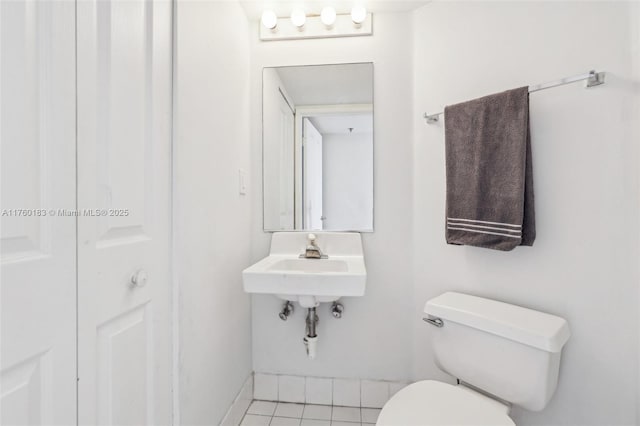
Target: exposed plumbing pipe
(311, 343)
(311, 338)
(312, 322)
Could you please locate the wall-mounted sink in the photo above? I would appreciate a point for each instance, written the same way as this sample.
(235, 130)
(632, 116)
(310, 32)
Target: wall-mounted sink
(309, 281)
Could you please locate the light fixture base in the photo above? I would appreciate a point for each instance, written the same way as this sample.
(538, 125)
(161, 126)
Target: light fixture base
(314, 28)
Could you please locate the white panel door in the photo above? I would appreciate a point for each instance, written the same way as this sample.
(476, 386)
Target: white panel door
(37, 241)
(124, 146)
(312, 145)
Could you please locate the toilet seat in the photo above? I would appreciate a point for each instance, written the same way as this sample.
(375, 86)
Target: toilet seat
(433, 403)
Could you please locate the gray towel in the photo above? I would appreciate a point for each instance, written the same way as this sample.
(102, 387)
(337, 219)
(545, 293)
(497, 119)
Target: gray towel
(489, 173)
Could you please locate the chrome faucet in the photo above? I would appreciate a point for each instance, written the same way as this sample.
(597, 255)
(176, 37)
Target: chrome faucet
(312, 251)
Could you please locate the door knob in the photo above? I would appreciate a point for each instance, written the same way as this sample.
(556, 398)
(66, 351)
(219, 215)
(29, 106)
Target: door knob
(139, 278)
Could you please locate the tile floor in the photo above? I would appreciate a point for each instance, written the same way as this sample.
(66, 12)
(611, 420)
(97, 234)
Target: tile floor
(265, 413)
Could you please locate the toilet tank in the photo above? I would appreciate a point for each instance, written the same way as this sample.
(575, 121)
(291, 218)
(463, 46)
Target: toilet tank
(505, 350)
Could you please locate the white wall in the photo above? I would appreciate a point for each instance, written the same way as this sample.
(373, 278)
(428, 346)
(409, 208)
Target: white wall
(212, 221)
(351, 346)
(583, 265)
(347, 180)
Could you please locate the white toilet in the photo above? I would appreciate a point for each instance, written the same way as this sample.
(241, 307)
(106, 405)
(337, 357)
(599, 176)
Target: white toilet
(501, 355)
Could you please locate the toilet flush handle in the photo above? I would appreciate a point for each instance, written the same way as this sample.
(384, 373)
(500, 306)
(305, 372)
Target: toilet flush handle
(434, 321)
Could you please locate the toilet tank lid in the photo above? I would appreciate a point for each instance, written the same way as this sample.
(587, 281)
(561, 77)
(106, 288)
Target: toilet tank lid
(538, 329)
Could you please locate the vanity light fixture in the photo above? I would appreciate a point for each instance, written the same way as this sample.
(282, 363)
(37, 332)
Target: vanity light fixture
(328, 23)
(328, 16)
(358, 14)
(269, 19)
(298, 18)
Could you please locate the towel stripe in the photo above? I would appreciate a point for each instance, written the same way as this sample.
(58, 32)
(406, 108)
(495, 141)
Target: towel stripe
(483, 232)
(517, 231)
(484, 221)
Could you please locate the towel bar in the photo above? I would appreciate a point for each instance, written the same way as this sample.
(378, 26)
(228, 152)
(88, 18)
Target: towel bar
(593, 78)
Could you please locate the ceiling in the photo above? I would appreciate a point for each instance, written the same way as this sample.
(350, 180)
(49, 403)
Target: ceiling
(361, 123)
(329, 84)
(282, 8)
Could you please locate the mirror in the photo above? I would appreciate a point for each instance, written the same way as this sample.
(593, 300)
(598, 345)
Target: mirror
(317, 141)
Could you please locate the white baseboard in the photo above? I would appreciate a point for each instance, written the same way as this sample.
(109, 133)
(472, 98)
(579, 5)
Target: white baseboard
(240, 405)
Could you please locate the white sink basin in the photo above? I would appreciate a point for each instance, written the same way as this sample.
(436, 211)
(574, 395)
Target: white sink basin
(309, 281)
(311, 266)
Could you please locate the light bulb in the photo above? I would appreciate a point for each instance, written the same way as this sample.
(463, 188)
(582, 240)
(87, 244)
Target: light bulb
(269, 19)
(298, 18)
(358, 14)
(328, 16)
